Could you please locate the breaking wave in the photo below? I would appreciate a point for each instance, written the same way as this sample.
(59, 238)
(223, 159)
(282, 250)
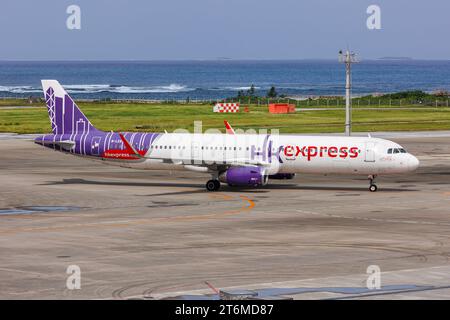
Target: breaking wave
(98, 88)
(19, 89)
(240, 88)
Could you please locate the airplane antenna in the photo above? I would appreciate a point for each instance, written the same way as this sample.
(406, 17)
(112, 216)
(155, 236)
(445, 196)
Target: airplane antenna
(348, 58)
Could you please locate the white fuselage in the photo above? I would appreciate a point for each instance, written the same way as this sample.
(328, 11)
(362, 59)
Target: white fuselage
(278, 153)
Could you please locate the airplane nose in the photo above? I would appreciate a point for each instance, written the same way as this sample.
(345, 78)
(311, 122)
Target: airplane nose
(413, 163)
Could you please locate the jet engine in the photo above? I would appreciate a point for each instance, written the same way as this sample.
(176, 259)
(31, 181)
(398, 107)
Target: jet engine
(244, 176)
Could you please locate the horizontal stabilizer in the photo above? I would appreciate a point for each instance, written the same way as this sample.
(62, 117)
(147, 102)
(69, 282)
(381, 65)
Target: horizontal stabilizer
(65, 144)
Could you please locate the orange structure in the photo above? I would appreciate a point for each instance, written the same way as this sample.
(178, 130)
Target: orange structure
(281, 108)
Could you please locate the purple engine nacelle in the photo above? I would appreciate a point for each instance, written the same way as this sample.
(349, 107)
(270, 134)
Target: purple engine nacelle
(282, 176)
(244, 176)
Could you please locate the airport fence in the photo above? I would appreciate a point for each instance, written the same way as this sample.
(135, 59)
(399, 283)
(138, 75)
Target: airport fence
(316, 102)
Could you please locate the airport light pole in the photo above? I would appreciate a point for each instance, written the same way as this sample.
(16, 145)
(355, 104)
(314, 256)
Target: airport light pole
(348, 58)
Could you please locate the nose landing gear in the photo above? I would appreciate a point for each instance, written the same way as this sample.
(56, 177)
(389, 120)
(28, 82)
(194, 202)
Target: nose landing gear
(372, 186)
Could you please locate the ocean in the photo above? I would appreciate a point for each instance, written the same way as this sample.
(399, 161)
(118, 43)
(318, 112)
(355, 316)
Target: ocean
(161, 80)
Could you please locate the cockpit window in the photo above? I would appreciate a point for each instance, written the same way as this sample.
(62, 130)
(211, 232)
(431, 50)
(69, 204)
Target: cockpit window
(396, 150)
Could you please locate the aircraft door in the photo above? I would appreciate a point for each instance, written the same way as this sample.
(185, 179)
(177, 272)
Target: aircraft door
(196, 153)
(369, 152)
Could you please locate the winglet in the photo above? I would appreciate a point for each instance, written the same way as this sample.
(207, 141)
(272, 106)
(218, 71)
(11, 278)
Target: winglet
(229, 128)
(130, 149)
(217, 291)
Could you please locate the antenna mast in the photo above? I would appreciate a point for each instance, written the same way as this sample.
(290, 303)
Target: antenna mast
(348, 58)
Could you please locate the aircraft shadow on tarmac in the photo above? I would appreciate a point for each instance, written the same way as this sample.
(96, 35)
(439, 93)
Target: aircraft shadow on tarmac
(263, 189)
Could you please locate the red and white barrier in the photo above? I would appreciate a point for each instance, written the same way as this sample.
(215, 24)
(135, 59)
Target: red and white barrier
(226, 107)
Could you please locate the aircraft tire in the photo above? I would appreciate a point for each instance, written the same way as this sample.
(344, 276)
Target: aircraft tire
(212, 185)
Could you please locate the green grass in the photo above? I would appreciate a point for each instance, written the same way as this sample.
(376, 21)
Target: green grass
(160, 117)
(17, 102)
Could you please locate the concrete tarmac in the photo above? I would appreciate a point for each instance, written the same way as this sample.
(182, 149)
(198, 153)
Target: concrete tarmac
(156, 234)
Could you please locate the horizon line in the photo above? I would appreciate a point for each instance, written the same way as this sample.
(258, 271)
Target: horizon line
(217, 60)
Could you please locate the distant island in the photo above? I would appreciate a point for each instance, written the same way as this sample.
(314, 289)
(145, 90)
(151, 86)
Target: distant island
(395, 58)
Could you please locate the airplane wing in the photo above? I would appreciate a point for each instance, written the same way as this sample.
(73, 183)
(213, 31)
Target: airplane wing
(246, 162)
(234, 163)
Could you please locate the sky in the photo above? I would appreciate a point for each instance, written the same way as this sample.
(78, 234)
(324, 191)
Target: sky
(215, 29)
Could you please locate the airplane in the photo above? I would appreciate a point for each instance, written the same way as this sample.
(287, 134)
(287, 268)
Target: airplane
(244, 160)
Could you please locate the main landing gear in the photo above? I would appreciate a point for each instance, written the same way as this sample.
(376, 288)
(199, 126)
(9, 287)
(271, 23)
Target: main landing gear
(372, 186)
(213, 185)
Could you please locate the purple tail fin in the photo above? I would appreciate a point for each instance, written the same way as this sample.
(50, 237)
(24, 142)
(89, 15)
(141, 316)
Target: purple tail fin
(65, 116)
